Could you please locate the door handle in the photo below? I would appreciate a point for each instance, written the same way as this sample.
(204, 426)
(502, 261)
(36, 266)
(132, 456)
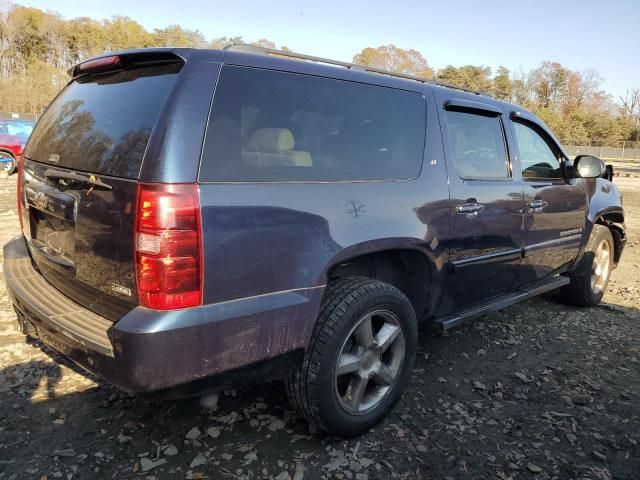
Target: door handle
(470, 209)
(536, 206)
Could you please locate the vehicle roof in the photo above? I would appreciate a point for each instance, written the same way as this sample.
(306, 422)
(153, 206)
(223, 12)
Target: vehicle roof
(350, 72)
(250, 56)
(274, 59)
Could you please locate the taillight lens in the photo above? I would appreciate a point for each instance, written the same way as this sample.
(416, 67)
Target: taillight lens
(19, 191)
(168, 246)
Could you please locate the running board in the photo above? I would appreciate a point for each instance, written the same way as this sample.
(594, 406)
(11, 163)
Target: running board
(499, 303)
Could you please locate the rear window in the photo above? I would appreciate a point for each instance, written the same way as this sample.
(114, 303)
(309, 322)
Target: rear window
(275, 126)
(101, 124)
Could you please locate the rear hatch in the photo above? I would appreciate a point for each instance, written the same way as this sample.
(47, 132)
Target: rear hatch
(81, 171)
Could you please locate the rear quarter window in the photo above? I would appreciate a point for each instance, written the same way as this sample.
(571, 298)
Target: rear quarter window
(274, 126)
(102, 123)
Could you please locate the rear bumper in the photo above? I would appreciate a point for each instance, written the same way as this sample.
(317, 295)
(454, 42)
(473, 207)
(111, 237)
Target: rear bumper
(148, 350)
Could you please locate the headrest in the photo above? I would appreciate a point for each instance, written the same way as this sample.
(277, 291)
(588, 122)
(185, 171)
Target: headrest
(272, 140)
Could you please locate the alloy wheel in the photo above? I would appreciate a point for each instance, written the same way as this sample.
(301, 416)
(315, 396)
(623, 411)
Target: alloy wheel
(601, 267)
(369, 362)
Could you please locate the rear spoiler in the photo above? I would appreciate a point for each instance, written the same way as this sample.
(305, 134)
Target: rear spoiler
(127, 59)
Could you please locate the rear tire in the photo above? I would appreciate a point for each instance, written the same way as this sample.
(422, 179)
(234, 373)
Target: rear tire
(590, 279)
(359, 359)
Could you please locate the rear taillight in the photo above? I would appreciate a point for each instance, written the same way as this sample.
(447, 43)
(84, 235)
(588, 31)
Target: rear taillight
(19, 191)
(168, 243)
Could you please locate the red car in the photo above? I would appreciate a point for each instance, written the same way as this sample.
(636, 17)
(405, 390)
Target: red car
(14, 134)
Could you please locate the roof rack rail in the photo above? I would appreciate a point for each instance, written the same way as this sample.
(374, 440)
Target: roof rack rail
(244, 47)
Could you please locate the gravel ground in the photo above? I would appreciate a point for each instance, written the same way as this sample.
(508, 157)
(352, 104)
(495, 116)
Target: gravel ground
(540, 390)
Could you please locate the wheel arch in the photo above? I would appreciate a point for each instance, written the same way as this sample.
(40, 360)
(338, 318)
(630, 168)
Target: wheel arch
(605, 208)
(405, 264)
(6, 150)
(614, 221)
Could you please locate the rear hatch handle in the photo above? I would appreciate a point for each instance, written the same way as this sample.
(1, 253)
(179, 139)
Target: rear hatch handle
(92, 180)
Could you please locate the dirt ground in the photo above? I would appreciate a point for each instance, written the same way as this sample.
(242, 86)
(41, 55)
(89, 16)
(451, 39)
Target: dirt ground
(540, 390)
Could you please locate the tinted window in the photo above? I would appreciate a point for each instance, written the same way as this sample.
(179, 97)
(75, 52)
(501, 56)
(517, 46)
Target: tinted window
(537, 159)
(274, 126)
(477, 145)
(102, 124)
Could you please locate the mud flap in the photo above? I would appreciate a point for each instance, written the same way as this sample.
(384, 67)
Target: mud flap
(24, 325)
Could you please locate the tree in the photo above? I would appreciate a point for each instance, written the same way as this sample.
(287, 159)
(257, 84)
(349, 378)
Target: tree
(85, 38)
(467, 76)
(582, 87)
(521, 89)
(550, 82)
(224, 41)
(502, 84)
(264, 43)
(122, 33)
(37, 47)
(395, 59)
(176, 36)
(29, 41)
(631, 106)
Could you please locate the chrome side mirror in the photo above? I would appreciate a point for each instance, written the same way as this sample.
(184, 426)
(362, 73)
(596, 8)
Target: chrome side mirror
(588, 166)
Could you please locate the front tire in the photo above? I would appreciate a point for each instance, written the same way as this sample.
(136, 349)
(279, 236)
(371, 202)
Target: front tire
(359, 359)
(590, 279)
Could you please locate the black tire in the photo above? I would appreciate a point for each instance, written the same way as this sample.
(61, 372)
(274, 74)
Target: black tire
(582, 291)
(313, 388)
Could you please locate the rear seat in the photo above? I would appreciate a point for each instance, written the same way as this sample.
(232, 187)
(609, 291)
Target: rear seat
(274, 147)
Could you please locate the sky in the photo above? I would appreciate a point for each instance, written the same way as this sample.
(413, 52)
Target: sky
(590, 34)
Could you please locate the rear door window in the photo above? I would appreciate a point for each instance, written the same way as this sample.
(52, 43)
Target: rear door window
(101, 124)
(274, 126)
(477, 145)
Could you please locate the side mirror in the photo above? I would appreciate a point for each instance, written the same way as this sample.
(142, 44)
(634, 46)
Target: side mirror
(588, 166)
(609, 173)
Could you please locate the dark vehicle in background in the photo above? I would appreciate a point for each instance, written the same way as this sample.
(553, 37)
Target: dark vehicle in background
(14, 133)
(194, 218)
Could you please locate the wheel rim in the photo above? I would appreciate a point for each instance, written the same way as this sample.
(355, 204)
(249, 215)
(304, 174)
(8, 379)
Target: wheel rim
(369, 362)
(7, 163)
(600, 267)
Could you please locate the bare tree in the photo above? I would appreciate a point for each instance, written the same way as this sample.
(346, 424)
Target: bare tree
(631, 105)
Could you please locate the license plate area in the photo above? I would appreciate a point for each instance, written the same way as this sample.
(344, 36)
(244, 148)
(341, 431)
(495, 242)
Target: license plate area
(52, 226)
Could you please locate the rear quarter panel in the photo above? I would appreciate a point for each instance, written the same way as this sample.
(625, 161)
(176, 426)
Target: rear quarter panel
(175, 145)
(268, 238)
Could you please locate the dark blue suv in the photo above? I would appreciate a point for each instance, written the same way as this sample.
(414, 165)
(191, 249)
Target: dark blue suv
(195, 218)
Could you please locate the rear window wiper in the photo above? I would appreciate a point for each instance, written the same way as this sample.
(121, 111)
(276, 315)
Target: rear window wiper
(92, 180)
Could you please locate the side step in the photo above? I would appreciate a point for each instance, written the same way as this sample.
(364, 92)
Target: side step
(499, 303)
